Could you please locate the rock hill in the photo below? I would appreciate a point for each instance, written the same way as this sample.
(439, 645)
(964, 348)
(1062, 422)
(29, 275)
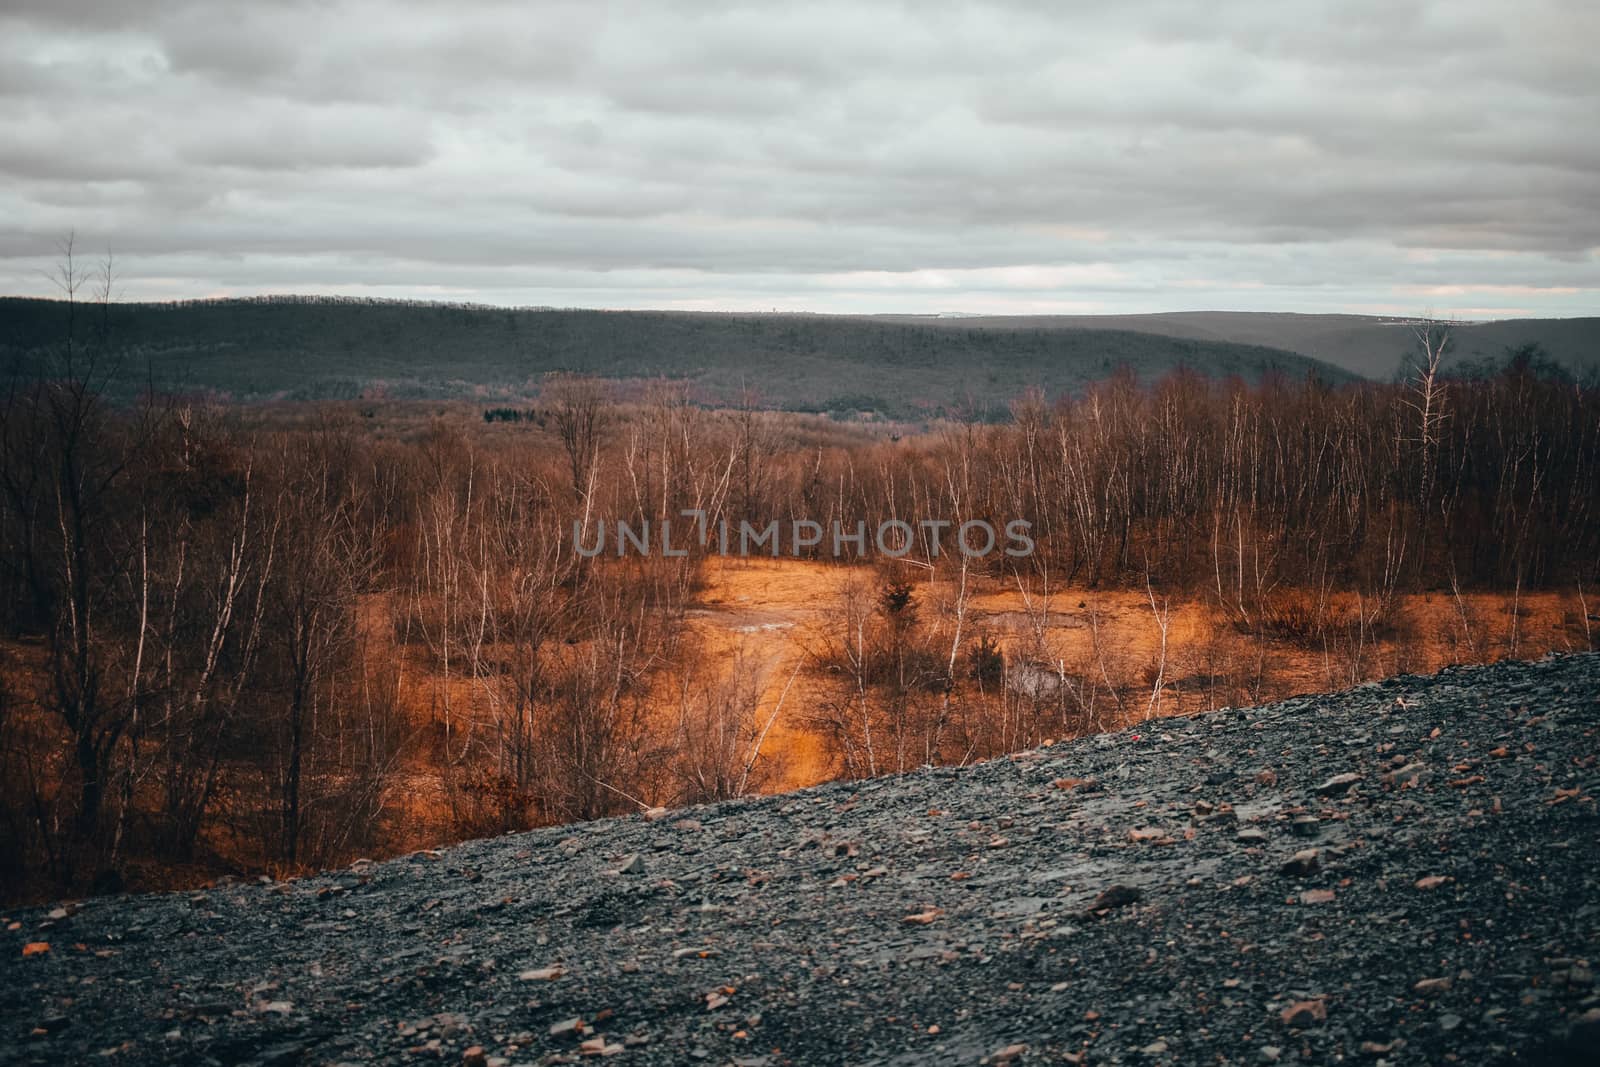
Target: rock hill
(1404, 873)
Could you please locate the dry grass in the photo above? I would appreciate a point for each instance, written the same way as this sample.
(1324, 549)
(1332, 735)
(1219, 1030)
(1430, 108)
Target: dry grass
(760, 620)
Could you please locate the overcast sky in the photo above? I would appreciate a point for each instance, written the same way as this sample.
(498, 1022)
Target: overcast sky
(965, 157)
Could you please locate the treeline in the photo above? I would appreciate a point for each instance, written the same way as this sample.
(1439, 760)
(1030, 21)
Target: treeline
(316, 348)
(234, 648)
(510, 414)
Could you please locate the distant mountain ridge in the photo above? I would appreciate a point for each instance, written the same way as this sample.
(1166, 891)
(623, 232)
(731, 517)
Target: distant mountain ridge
(339, 348)
(1371, 346)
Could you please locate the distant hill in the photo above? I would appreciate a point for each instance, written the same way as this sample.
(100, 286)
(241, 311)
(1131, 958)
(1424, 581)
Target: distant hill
(325, 348)
(1367, 345)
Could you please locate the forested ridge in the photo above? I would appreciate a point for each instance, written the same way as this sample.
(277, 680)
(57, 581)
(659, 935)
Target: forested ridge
(318, 348)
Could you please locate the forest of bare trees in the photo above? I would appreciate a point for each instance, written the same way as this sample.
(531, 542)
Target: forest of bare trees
(229, 645)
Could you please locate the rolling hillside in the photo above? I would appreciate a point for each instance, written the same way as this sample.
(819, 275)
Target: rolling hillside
(1365, 345)
(335, 349)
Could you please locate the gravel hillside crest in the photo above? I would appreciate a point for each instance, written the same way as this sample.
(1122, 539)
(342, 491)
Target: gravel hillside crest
(1398, 873)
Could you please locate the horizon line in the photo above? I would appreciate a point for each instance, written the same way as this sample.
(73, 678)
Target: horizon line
(288, 296)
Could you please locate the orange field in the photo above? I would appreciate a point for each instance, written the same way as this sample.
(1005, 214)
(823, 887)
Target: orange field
(772, 615)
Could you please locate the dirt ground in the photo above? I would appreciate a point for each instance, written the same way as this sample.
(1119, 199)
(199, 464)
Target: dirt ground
(774, 610)
(776, 613)
(769, 618)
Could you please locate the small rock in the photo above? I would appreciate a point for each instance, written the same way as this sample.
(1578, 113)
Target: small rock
(1250, 835)
(634, 864)
(542, 974)
(1339, 783)
(1270, 1053)
(1305, 826)
(1449, 1022)
(1116, 896)
(474, 1057)
(1007, 1054)
(1302, 863)
(1303, 1013)
(1433, 881)
(1429, 987)
(1408, 772)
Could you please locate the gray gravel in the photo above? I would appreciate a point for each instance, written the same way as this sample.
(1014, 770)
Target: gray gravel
(1403, 873)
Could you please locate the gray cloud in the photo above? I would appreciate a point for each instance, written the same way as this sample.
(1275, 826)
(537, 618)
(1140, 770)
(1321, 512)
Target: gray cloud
(938, 156)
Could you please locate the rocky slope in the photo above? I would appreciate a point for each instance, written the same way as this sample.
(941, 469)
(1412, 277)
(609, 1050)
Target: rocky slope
(1407, 872)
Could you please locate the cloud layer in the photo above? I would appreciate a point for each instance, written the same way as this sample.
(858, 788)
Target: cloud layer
(1027, 156)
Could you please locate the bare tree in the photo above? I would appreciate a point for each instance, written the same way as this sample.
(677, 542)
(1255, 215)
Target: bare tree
(66, 472)
(577, 408)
